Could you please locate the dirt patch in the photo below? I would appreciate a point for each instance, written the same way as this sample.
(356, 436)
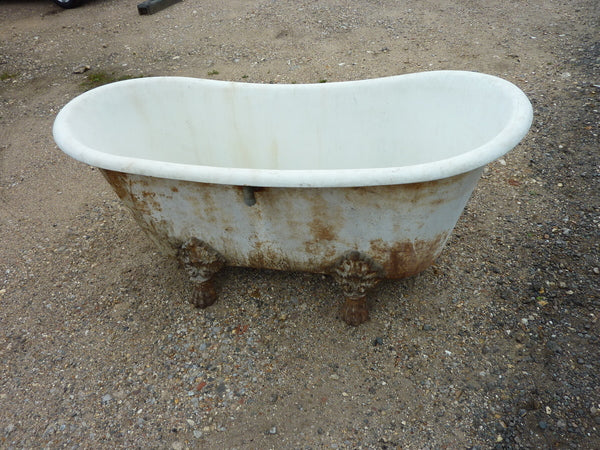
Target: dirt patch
(496, 345)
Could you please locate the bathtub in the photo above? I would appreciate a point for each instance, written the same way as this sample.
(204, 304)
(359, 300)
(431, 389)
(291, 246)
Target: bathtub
(362, 180)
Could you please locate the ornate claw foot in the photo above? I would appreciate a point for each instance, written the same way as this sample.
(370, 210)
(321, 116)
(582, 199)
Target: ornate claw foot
(356, 274)
(354, 311)
(204, 294)
(201, 262)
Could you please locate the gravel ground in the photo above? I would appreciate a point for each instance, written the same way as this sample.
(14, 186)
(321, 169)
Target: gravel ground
(495, 346)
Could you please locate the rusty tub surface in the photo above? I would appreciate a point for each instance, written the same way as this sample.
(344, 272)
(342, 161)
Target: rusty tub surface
(361, 180)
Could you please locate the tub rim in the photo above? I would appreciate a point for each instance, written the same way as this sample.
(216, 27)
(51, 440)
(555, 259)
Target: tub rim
(515, 129)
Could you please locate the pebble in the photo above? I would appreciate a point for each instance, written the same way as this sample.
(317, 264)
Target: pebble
(106, 398)
(81, 69)
(543, 424)
(273, 430)
(553, 346)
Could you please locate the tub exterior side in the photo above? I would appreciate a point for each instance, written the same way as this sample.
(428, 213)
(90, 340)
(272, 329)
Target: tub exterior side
(401, 228)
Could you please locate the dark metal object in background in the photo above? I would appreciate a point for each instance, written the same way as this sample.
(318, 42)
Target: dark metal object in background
(151, 6)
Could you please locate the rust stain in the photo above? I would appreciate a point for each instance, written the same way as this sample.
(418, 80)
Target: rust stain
(122, 185)
(140, 209)
(267, 257)
(118, 181)
(321, 230)
(397, 259)
(327, 217)
(404, 259)
(321, 254)
(149, 198)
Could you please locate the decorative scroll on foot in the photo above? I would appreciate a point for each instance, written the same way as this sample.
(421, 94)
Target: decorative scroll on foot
(356, 274)
(201, 262)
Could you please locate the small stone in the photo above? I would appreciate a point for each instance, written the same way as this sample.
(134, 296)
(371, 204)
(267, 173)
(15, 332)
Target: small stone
(543, 425)
(561, 424)
(273, 430)
(378, 341)
(553, 346)
(81, 69)
(334, 376)
(9, 428)
(197, 434)
(596, 270)
(177, 445)
(106, 398)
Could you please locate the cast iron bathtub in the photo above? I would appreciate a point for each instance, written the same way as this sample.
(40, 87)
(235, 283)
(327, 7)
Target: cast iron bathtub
(362, 180)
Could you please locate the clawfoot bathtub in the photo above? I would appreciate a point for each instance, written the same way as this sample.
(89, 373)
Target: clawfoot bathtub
(362, 180)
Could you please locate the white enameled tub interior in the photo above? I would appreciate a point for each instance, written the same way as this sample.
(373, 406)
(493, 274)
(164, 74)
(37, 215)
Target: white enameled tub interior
(394, 130)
